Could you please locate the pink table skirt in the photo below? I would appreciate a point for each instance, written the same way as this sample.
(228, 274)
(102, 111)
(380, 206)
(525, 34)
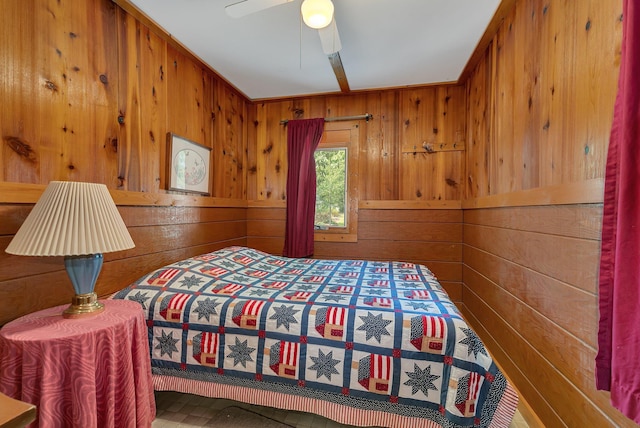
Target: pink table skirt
(86, 372)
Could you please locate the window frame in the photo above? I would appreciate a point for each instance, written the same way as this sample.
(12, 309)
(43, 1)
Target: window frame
(341, 135)
(346, 186)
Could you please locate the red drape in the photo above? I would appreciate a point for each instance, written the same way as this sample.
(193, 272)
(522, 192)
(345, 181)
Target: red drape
(618, 359)
(303, 137)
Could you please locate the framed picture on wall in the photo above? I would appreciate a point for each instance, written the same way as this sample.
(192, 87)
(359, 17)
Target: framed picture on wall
(189, 165)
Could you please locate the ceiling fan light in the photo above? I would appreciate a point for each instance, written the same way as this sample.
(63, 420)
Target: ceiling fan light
(317, 13)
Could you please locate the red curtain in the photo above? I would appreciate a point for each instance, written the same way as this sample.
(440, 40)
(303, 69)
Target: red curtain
(303, 137)
(618, 358)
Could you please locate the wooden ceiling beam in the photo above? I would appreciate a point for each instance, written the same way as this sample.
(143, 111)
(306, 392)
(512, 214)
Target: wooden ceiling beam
(338, 70)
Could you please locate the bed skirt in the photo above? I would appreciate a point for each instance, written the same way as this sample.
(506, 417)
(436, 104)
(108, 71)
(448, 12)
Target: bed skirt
(340, 413)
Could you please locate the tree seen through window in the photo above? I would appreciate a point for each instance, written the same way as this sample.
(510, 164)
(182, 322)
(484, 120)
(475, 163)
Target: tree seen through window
(331, 185)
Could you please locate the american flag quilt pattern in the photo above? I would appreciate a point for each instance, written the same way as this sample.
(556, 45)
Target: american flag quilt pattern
(368, 334)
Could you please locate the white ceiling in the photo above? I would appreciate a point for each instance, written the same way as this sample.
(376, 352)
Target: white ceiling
(272, 54)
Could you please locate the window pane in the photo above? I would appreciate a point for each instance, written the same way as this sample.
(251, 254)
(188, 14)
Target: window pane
(331, 187)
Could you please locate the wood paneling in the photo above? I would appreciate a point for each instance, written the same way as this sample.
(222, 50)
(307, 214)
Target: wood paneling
(142, 111)
(479, 125)
(527, 386)
(429, 237)
(90, 93)
(575, 221)
(529, 280)
(31, 293)
(229, 141)
(425, 215)
(90, 90)
(564, 258)
(161, 234)
(270, 152)
(431, 116)
(22, 193)
(389, 249)
(401, 118)
(540, 103)
(408, 205)
(541, 100)
(400, 231)
(378, 155)
(152, 216)
(582, 192)
(58, 83)
(186, 91)
(533, 289)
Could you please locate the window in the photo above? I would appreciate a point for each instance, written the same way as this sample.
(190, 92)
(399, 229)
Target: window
(331, 188)
(336, 159)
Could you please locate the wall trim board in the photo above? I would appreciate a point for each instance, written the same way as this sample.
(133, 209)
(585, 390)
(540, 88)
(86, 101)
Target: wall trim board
(410, 205)
(24, 193)
(266, 204)
(583, 192)
(375, 205)
(122, 197)
(586, 192)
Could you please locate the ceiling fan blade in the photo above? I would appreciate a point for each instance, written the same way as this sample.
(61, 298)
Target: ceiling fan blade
(330, 38)
(247, 7)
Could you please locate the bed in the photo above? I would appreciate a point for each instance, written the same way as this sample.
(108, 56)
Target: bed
(364, 343)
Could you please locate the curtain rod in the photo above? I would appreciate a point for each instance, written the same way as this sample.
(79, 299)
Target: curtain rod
(366, 116)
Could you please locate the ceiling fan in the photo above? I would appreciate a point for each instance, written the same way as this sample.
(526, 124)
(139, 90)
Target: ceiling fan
(316, 14)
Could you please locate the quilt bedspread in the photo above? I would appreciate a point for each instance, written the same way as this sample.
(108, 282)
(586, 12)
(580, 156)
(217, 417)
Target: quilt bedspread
(364, 334)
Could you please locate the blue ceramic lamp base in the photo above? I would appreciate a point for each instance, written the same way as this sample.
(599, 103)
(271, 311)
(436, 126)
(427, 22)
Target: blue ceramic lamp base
(83, 272)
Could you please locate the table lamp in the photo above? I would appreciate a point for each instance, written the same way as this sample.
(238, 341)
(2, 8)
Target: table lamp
(79, 221)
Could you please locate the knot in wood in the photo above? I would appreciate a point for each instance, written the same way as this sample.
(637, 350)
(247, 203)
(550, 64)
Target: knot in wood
(21, 148)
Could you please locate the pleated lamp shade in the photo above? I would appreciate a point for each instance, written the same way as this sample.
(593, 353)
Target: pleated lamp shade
(70, 219)
(79, 221)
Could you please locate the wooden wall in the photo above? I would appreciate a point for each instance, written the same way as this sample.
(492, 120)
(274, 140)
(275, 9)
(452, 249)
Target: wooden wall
(94, 89)
(431, 237)
(541, 99)
(540, 105)
(409, 207)
(530, 277)
(393, 163)
(162, 234)
(89, 91)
